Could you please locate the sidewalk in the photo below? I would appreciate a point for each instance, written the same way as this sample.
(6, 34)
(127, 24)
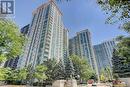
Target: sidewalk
(98, 85)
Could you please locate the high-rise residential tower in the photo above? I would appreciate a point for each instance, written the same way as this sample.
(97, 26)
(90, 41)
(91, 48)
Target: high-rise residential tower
(68, 66)
(104, 52)
(81, 45)
(46, 36)
(25, 30)
(65, 45)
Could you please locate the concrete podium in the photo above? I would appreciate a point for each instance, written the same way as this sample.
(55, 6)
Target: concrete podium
(65, 83)
(71, 83)
(58, 83)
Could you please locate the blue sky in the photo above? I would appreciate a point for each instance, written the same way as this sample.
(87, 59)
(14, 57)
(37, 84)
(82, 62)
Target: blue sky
(77, 15)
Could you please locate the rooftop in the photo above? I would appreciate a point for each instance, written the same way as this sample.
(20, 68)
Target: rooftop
(46, 4)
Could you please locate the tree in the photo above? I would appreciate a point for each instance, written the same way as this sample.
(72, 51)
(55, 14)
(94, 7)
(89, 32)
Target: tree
(81, 67)
(102, 77)
(94, 77)
(55, 70)
(13, 76)
(105, 74)
(8, 74)
(123, 49)
(11, 40)
(39, 73)
(120, 65)
(126, 26)
(119, 10)
(4, 73)
(59, 71)
(121, 57)
(22, 74)
(116, 76)
(29, 74)
(69, 69)
(109, 73)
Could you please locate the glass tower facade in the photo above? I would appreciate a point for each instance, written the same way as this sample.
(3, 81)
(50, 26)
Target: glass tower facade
(65, 45)
(46, 36)
(104, 53)
(81, 45)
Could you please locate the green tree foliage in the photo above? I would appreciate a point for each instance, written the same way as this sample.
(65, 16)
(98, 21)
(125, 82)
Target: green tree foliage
(126, 26)
(18, 74)
(105, 74)
(123, 49)
(11, 40)
(4, 73)
(13, 75)
(102, 76)
(59, 71)
(69, 69)
(116, 76)
(118, 10)
(109, 73)
(119, 65)
(81, 67)
(39, 73)
(121, 58)
(94, 77)
(55, 70)
(8, 74)
(22, 74)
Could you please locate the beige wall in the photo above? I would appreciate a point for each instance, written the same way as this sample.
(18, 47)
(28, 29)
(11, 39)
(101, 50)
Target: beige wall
(58, 83)
(64, 83)
(127, 80)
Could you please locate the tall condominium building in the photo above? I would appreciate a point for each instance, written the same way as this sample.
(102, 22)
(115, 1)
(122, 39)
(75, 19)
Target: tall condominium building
(45, 35)
(25, 30)
(65, 45)
(74, 46)
(81, 45)
(104, 53)
(68, 66)
(12, 63)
